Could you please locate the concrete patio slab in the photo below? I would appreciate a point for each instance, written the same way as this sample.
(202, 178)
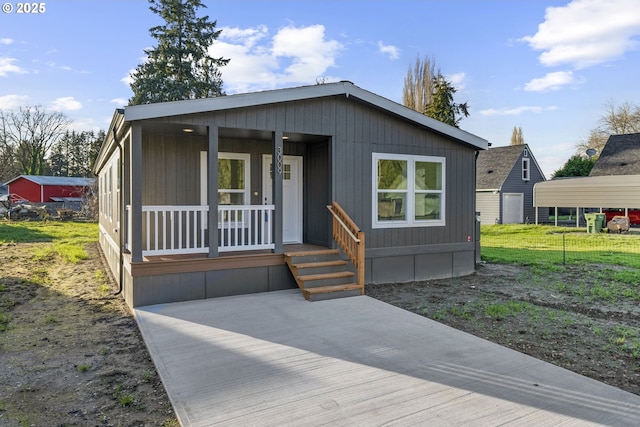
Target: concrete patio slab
(274, 359)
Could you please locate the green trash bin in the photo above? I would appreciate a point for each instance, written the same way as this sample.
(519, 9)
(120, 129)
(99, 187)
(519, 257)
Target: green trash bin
(601, 222)
(595, 222)
(591, 222)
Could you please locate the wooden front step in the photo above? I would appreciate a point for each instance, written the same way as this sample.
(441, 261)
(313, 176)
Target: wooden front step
(318, 267)
(323, 274)
(325, 279)
(329, 292)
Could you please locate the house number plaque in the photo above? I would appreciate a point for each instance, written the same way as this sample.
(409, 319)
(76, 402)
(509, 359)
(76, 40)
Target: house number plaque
(279, 160)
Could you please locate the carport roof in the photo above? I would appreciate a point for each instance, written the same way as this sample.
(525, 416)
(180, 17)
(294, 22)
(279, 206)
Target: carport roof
(611, 191)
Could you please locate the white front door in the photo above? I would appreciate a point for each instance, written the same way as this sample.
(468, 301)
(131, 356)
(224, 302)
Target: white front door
(292, 195)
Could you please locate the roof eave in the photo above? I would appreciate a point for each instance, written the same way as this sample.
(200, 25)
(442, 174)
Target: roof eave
(347, 89)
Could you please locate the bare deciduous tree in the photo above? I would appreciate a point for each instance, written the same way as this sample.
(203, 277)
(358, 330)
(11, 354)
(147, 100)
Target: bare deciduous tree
(26, 136)
(417, 91)
(516, 136)
(617, 120)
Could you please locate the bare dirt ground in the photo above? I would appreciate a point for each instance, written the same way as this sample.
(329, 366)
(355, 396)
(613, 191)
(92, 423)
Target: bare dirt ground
(565, 315)
(70, 351)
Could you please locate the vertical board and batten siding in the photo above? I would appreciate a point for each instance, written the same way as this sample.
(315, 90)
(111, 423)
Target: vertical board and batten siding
(343, 172)
(359, 131)
(171, 169)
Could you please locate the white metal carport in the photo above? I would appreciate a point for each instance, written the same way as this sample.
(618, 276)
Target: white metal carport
(612, 191)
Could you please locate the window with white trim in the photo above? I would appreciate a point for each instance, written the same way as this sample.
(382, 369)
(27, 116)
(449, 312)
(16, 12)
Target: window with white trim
(233, 178)
(408, 191)
(525, 169)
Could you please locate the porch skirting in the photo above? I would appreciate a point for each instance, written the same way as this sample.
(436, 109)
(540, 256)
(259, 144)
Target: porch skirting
(149, 282)
(159, 280)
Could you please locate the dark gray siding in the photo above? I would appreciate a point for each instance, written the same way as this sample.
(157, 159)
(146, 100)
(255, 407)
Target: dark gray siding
(359, 130)
(349, 131)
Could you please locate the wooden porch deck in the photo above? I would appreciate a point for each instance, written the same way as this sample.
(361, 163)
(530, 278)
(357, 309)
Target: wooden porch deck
(171, 264)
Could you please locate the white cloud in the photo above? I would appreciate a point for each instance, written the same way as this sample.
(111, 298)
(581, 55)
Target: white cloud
(10, 102)
(516, 111)
(7, 66)
(127, 80)
(587, 32)
(294, 55)
(6, 41)
(457, 80)
(120, 102)
(392, 51)
(552, 81)
(67, 103)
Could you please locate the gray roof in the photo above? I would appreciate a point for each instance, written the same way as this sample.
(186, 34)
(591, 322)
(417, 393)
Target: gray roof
(56, 180)
(346, 89)
(494, 165)
(620, 156)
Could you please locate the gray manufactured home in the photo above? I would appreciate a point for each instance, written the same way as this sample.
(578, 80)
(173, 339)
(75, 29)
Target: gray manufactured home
(215, 197)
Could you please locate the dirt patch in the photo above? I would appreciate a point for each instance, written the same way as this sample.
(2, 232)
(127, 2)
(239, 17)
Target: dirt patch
(70, 351)
(583, 318)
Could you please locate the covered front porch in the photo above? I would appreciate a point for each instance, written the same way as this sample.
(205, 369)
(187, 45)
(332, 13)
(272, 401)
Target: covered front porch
(198, 189)
(213, 211)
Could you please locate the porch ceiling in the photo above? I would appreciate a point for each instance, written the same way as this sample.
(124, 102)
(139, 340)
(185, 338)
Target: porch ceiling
(235, 133)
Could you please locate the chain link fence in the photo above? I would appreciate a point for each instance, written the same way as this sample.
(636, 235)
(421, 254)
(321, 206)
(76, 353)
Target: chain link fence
(564, 246)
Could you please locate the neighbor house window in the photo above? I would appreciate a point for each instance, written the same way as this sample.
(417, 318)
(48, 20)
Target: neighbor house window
(233, 178)
(525, 169)
(409, 191)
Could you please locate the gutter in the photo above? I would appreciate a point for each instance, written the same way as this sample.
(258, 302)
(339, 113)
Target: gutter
(122, 217)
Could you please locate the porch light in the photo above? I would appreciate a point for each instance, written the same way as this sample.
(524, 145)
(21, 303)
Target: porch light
(187, 130)
(285, 137)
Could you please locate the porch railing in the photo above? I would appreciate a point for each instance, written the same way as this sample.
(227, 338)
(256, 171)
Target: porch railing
(245, 227)
(348, 235)
(174, 230)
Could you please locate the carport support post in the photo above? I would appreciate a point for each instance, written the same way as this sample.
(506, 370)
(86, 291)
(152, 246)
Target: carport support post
(277, 168)
(212, 189)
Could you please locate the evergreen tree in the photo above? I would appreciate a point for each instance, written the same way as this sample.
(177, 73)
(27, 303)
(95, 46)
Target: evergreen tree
(180, 66)
(75, 153)
(575, 166)
(442, 107)
(516, 136)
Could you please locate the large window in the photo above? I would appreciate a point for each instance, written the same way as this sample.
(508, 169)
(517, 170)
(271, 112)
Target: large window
(409, 191)
(233, 178)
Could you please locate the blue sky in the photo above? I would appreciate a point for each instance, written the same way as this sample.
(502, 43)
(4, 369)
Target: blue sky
(549, 66)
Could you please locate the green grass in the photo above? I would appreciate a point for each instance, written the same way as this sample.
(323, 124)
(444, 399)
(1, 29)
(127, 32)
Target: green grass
(65, 240)
(546, 245)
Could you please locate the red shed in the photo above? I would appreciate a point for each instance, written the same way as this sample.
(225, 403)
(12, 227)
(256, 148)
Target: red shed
(41, 189)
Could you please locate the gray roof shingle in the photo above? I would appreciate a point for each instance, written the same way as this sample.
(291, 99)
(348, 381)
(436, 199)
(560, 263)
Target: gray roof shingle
(620, 156)
(494, 165)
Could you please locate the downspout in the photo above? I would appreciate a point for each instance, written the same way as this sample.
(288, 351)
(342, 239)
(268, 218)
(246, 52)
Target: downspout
(122, 214)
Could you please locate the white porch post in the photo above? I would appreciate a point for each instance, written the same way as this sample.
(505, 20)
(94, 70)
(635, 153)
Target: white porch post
(135, 165)
(212, 189)
(277, 164)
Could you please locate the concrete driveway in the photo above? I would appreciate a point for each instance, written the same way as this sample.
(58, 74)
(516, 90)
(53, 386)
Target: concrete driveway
(274, 359)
